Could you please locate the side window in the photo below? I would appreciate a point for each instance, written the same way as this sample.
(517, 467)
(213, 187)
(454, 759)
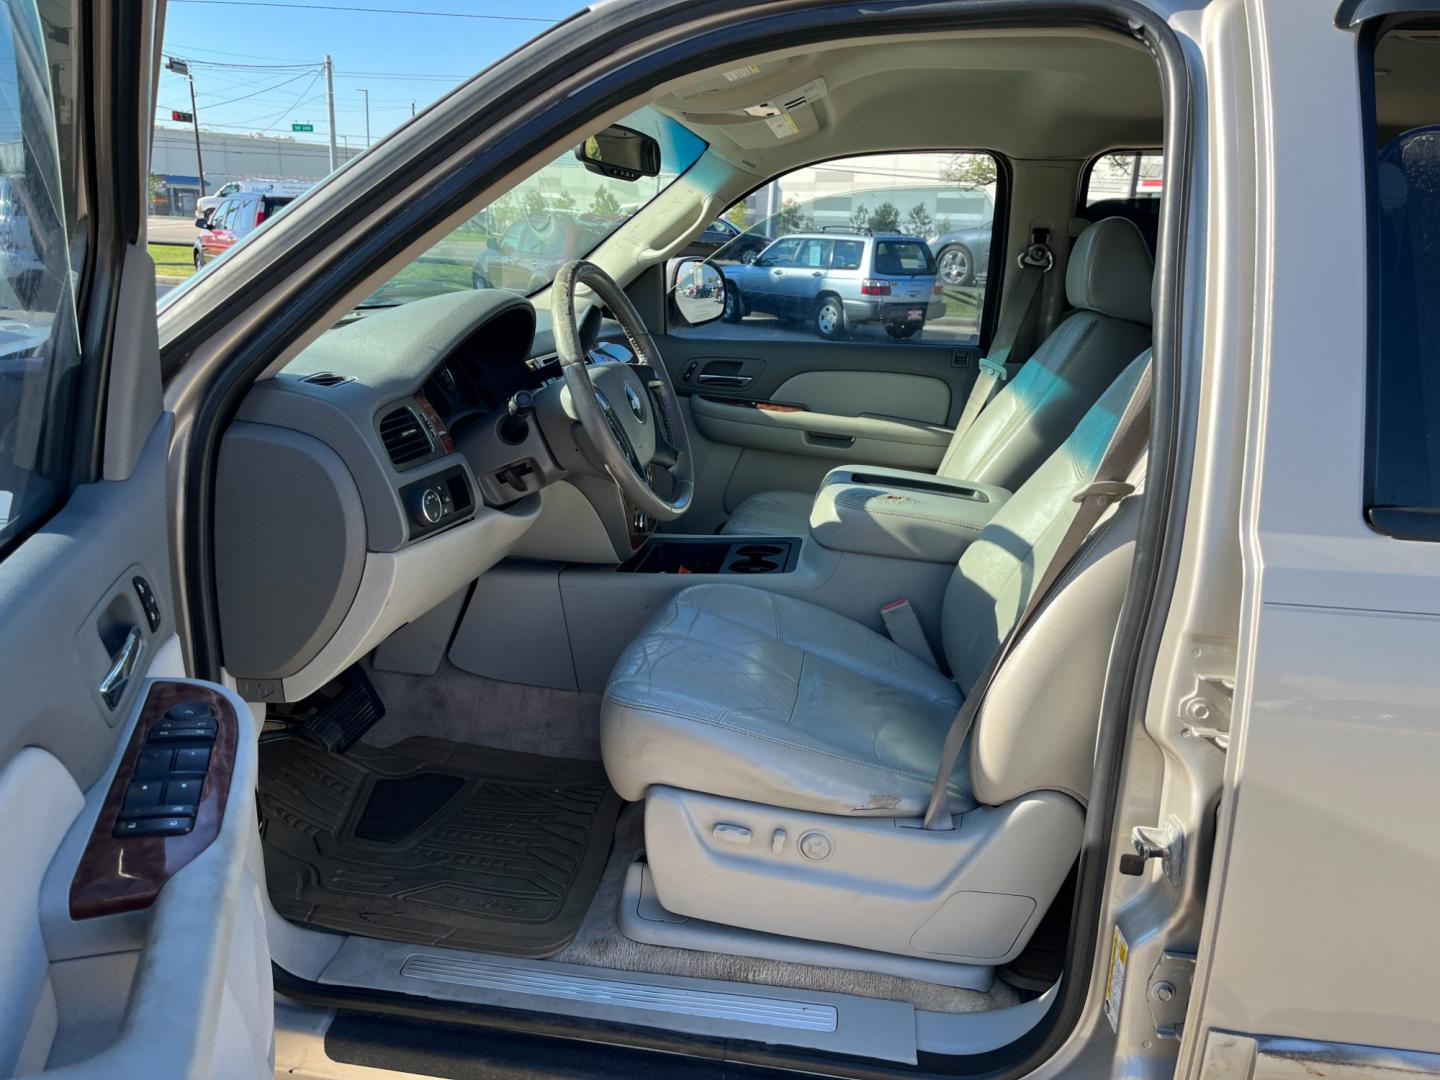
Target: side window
(1402, 492)
(899, 242)
(39, 347)
(1133, 174)
(780, 254)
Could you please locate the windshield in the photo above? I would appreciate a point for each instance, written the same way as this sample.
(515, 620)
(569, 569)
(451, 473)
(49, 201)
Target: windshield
(561, 212)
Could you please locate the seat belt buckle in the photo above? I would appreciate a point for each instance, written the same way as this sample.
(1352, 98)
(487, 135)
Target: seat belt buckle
(903, 626)
(1107, 491)
(994, 368)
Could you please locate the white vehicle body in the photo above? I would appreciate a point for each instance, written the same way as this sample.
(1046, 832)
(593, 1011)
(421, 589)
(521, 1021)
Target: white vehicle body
(205, 205)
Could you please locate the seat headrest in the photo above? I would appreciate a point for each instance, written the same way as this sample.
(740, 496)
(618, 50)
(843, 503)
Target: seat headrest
(1111, 271)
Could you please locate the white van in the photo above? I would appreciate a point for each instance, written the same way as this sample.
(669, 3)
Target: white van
(404, 678)
(206, 205)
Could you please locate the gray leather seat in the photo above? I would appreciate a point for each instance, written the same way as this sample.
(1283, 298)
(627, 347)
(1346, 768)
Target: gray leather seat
(1108, 283)
(739, 692)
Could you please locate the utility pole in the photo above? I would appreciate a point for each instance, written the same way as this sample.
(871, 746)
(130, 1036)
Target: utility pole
(367, 117)
(330, 105)
(180, 67)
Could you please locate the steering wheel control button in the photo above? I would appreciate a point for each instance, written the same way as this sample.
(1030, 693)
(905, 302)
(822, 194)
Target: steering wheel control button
(731, 834)
(815, 846)
(190, 713)
(777, 842)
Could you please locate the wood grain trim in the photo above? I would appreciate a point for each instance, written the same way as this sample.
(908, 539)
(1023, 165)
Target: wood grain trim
(116, 875)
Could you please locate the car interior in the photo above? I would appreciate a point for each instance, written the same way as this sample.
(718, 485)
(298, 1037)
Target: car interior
(521, 719)
(609, 662)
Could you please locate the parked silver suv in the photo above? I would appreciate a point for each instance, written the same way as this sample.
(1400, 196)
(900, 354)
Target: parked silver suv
(835, 280)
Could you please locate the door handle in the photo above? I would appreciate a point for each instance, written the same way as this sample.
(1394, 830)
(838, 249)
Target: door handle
(736, 381)
(817, 273)
(778, 273)
(122, 666)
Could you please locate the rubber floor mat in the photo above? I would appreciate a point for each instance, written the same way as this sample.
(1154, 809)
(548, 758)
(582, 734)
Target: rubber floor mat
(435, 842)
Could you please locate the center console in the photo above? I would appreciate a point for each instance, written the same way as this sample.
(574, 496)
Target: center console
(714, 555)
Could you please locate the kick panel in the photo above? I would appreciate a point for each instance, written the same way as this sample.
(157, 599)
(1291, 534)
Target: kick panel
(165, 804)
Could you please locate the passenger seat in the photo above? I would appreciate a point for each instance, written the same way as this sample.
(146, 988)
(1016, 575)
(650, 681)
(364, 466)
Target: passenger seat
(1108, 283)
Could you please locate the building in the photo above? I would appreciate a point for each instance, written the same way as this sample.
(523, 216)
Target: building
(230, 157)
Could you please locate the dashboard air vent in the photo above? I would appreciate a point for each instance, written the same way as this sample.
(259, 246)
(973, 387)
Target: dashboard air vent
(326, 378)
(404, 436)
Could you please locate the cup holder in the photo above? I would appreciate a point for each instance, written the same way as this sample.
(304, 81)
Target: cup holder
(753, 565)
(756, 559)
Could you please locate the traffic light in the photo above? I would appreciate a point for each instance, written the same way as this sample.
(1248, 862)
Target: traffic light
(182, 117)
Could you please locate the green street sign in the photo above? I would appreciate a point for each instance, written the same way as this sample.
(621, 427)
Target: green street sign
(302, 127)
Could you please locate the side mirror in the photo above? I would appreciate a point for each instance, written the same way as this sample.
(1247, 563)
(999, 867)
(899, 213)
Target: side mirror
(620, 153)
(699, 291)
(202, 222)
(493, 244)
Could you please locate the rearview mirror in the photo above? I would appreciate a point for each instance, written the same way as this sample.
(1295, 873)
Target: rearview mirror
(699, 291)
(620, 153)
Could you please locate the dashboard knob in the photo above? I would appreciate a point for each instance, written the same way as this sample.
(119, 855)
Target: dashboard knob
(429, 507)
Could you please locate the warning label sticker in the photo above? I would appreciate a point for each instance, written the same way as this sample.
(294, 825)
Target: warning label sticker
(1115, 980)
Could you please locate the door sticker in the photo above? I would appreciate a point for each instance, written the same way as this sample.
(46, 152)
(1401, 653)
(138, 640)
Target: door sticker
(1115, 980)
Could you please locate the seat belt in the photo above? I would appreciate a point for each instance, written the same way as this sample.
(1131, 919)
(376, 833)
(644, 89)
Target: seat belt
(1035, 261)
(1109, 485)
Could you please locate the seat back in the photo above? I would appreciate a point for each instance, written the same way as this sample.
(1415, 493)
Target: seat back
(1037, 728)
(1108, 283)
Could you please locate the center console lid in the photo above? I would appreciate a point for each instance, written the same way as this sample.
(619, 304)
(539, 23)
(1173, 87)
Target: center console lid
(901, 515)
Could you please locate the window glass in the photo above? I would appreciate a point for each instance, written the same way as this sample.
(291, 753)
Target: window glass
(1403, 460)
(1129, 175)
(39, 348)
(562, 211)
(901, 240)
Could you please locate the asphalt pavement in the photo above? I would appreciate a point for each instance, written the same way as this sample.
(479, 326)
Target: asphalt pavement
(170, 230)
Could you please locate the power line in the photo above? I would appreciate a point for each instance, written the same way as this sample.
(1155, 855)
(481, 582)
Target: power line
(257, 93)
(371, 11)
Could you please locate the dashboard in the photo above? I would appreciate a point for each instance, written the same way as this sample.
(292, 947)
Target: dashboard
(392, 461)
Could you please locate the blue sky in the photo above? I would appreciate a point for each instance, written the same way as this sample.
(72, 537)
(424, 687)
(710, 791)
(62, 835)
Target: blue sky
(267, 55)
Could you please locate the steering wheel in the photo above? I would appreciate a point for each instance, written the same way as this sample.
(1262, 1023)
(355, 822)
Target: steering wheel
(629, 412)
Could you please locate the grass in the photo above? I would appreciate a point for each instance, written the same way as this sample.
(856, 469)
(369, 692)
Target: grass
(172, 260)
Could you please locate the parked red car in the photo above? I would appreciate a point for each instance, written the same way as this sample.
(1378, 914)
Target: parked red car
(233, 220)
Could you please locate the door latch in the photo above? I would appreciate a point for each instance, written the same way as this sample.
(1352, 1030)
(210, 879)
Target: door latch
(1165, 842)
(1167, 994)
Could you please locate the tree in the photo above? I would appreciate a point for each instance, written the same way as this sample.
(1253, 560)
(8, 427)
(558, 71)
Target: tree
(793, 218)
(974, 170)
(562, 201)
(604, 203)
(736, 215)
(918, 220)
(885, 217)
(860, 218)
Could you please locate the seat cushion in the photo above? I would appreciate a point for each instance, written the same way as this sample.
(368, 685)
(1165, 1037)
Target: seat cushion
(772, 513)
(740, 692)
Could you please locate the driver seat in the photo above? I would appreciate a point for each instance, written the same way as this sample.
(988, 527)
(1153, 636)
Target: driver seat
(785, 752)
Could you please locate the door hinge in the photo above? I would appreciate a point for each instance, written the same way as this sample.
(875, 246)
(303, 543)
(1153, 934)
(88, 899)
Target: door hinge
(1205, 711)
(1168, 993)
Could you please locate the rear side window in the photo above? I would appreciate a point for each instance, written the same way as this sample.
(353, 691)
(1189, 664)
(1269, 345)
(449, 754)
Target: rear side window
(1403, 437)
(902, 257)
(1134, 174)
